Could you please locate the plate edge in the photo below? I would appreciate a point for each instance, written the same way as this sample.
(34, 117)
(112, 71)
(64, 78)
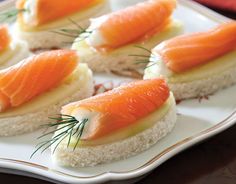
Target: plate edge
(229, 121)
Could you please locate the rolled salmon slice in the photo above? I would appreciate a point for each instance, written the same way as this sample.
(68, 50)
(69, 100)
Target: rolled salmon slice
(49, 10)
(131, 24)
(5, 38)
(120, 107)
(188, 51)
(34, 76)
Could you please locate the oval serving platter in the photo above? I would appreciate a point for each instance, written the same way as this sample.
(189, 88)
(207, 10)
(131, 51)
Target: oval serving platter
(198, 119)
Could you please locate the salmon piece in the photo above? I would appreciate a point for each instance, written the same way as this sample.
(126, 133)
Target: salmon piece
(122, 106)
(50, 10)
(34, 76)
(5, 38)
(135, 22)
(188, 51)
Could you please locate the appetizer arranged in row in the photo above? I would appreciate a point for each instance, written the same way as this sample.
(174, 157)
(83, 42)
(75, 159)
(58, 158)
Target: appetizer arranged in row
(38, 20)
(126, 120)
(113, 125)
(196, 64)
(11, 50)
(37, 87)
(111, 40)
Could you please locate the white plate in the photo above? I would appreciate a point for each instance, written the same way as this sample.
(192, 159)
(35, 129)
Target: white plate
(196, 121)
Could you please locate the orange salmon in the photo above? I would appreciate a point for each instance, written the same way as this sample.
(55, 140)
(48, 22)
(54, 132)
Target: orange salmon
(122, 106)
(50, 10)
(188, 51)
(34, 76)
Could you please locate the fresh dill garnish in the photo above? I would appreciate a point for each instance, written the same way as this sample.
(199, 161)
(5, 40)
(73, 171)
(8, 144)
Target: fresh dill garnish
(142, 58)
(68, 127)
(136, 55)
(78, 32)
(151, 63)
(143, 48)
(147, 59)
(10, 15)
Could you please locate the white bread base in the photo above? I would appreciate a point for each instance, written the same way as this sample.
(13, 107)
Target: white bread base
(11, 126)
(119, 60)
(91, 156)
(47, 39)
(22, 52)
(204, 87)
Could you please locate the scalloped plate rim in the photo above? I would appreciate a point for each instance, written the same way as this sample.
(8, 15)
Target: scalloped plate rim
(40, 171)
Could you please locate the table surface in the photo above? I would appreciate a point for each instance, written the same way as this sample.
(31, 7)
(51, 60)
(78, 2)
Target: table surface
(211, 162)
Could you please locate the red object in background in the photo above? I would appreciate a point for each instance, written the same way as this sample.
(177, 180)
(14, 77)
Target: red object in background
(221, 4)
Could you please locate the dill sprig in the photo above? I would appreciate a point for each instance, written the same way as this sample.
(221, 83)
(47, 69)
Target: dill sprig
(10, 15)
(143, 48)
(68, 127)
(73, 33)
(142, 58)
(147, 59)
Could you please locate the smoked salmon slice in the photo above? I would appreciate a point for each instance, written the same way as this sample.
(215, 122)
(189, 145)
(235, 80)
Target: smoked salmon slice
(34, 76)
(122, 106)
(5, 38)
(135, 22)
(50, 10)
(188, 51)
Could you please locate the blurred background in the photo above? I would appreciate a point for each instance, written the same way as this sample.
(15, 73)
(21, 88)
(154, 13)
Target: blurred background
(214, 159)
(225, 7)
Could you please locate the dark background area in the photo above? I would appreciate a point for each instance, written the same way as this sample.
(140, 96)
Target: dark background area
(211, 162)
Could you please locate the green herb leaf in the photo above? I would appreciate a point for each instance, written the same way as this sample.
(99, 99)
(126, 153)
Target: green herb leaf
(78, 32)
(10, 15)
(70, 126)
